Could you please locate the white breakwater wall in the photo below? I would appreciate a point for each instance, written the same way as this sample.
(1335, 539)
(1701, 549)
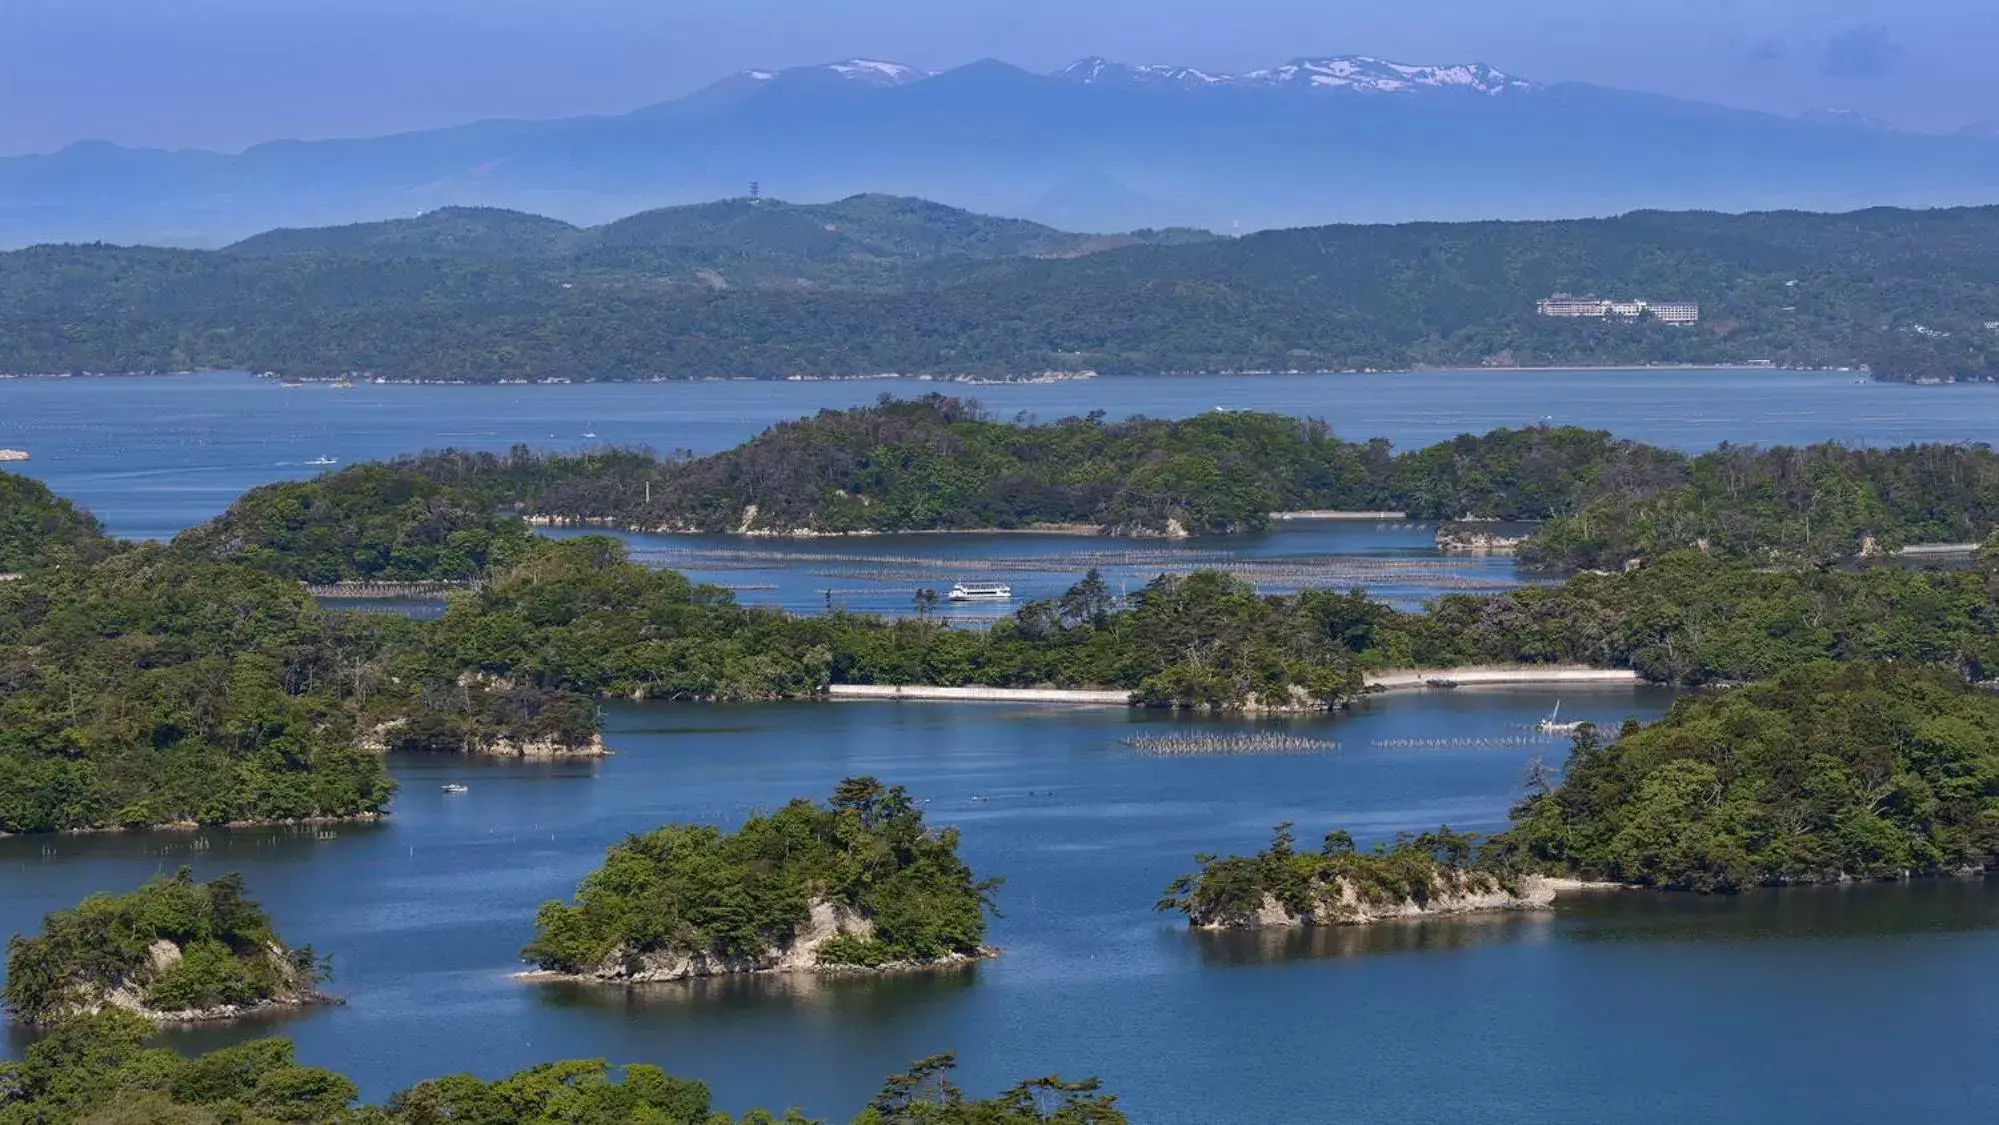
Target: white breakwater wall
(1336, 514)
(1552, 675)
(979, 694)
(1487, 676)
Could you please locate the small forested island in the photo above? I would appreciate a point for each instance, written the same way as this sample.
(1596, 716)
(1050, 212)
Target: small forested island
(1428, 874)
(98, 1069)
(1827, 773)
(173, 951)
(858, 883)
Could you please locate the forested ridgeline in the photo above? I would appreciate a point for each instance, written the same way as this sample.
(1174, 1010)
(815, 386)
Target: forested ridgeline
(366, 523)
(859, 882)
(99, 1069)
(1825, 773)
(483, 296)
(937, 463)
(39, 529)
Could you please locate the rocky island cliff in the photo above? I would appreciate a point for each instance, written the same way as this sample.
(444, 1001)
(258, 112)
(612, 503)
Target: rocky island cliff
(172, 951)
(856, 884)
(1430, 875)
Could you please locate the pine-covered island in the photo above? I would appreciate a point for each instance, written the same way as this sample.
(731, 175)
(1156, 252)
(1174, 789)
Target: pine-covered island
(175, 950)
(857, 884)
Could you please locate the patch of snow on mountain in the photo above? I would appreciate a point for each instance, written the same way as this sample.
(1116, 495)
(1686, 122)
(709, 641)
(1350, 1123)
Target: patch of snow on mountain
(877, 73)
(1340, 72)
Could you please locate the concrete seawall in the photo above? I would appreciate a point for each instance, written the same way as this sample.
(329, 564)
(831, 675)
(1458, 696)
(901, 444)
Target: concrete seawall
(979, 694)
(1553, 675)
(1415, 679)
(1335, 514)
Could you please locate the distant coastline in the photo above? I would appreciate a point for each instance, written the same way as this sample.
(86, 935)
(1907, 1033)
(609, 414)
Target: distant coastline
(1038, 378)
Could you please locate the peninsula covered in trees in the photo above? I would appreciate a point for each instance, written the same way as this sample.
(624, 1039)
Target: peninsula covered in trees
(98, 1068)
(858, 883)
(1824, 773)
(746, 288)
(174, 950)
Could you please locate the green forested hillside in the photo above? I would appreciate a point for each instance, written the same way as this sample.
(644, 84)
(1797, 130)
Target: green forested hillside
(40, 529)
(879, 284)
(1865, 771)
(368, 523)
(148, 690)
(937, 463)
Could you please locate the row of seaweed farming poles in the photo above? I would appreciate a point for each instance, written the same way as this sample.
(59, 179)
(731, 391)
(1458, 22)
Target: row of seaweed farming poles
(1256, 742)
(1491, 742)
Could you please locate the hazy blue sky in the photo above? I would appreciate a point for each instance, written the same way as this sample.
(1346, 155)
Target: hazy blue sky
(225, 73)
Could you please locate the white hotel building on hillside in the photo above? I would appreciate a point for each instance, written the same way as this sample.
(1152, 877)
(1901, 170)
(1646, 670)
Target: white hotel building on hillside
(1665, 312)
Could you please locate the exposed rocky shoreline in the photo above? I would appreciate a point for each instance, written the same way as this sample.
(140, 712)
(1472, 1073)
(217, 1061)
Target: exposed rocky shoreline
(1342, 903)
(826, 922)
(127, 995)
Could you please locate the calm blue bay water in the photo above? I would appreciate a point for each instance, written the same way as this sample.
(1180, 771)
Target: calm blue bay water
(1864, 1004)
(151, 456)
(1397, 562)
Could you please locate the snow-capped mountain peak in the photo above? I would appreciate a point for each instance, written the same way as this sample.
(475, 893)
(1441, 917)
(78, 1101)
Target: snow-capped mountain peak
(1338, 72)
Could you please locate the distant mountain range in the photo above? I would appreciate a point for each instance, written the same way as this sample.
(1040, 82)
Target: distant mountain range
(874, 284)
(1097, 145)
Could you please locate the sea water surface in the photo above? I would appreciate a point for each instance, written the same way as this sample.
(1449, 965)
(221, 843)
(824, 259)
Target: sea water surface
(153, 455)
(1860, 1004)
(1396, 561)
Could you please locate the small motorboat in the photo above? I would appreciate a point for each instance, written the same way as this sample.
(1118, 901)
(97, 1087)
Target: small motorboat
(1553, 724)
(323, 459)
(454, 787)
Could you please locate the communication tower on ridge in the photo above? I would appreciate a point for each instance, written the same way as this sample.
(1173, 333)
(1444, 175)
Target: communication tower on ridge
(756, 191)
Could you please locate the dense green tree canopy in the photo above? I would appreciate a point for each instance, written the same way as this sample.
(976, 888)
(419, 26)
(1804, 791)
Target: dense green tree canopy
(1826, 772)
(693, 889)
(146, 689)
(370, 523)
(224, 952)
(937, 463)
(98, 1069)
(902, 286)
(39, 529)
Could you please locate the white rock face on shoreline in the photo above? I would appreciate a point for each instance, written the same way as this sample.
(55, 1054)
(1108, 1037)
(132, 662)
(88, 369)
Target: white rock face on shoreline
(1340, 904)
(128, 994)
(826, 921)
